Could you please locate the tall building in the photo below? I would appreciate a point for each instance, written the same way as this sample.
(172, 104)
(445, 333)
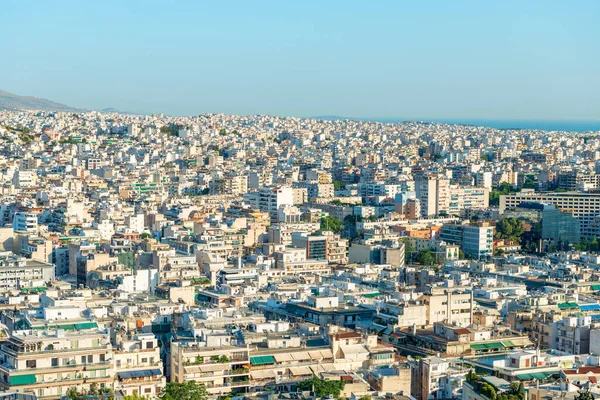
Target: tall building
(583, 206)
(556, 226)
(433, 193)
(270, 199)
(429, 379)
(461, 198)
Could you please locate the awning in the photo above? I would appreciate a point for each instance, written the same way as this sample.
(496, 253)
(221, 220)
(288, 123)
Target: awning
(301, 356)
(299, 371)
(521, 342)
(525, 377)
(86, 325)
(567, 305)
(508, 343)
(283, 357)
(539, 375)
(140, 374)
(494, 346)
(22, 379)
(322, 368)
(213, 367)
(589, 307)
(262, 360)
(265, 374)
(193, 369)
(327, 353)
(478, 347)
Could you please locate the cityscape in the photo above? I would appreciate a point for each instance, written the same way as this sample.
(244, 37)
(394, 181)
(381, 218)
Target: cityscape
(253, 254)
(299, 201)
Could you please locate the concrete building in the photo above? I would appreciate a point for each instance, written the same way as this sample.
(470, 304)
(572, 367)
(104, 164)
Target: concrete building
(583, 206)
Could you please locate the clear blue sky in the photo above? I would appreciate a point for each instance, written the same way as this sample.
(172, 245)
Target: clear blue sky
(522, 59)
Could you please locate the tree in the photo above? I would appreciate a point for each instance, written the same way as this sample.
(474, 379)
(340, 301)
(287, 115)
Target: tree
(145, 235)
(503, 189)
(471, 376)
(365, 397)
(584, 394)
(488, 391)
(136, 397)
(425, 257)
(509, 228)
(322, 387)
(331, 224)
(187, 390)
(337, 185)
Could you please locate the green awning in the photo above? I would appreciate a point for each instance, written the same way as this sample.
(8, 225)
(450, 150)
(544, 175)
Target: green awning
(478, 347)
(567, 305)
(86, 325)
(525, 377)
(508, 343)
(595, 287)
(22, 379)
(66, 327)
(494, 345)
(539, 375)
(262, 360)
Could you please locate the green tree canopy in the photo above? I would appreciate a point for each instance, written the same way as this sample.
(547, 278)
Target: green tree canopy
(331, 224)
(322, 387)
(510, 228)
(503, 189)
(187, 390)
(584, 394)
(425, 257)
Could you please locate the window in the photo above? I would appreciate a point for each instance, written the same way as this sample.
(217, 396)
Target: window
(54, 362)
(144, 360)
(90, 358)
(30, 363)
(102, 357)
(149, 345)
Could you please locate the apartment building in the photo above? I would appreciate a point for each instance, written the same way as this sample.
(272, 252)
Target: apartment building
(49, 362)
(270, 199)
(461, 198)
(433, 193)
(25, 222)
(476, 239)
(17, 271)
(138, 368)
(451, 307)
(216, 363)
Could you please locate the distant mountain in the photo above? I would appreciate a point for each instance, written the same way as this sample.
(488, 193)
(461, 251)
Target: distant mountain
(10, 101)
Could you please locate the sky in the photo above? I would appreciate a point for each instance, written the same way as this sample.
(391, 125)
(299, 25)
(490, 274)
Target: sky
(536, 60)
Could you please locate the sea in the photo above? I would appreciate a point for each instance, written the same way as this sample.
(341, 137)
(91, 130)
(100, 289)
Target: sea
(567, 126)
(543, 125)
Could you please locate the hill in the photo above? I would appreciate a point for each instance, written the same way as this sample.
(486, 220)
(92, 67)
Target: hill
(10, 101)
